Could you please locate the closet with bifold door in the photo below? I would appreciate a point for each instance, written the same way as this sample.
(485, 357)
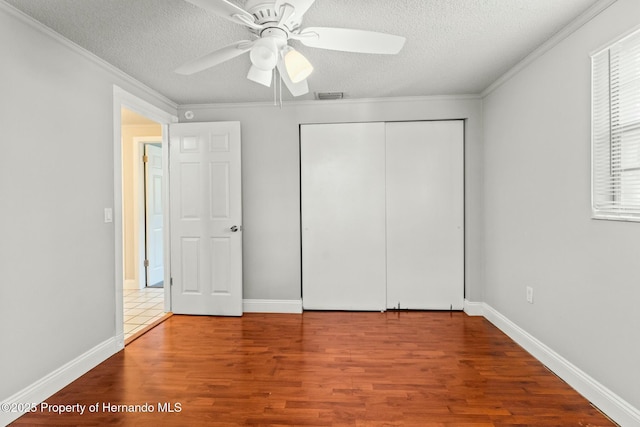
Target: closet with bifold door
(382, 208)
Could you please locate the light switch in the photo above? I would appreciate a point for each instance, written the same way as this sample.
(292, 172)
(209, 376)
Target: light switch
(108, 215)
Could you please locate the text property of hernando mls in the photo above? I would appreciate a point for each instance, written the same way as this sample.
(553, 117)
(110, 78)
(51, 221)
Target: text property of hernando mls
(104, 407)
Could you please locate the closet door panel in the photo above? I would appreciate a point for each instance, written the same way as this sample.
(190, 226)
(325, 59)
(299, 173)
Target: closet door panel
(343, 216)
(425, 215)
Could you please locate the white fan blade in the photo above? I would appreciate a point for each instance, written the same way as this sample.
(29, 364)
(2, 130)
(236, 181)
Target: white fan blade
(296, 89)
(301, 6)
(225, 9)
(214, 58)
(348, 40)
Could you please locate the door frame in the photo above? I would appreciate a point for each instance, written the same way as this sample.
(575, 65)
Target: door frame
(122, 98)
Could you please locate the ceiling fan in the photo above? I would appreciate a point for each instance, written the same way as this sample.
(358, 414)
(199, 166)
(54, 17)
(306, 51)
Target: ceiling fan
(273, 23)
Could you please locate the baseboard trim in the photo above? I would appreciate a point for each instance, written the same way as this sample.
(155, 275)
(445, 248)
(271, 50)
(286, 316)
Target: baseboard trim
(616, 408)
(55, 381)
(272, 306)
(130, 284)
(473, 308)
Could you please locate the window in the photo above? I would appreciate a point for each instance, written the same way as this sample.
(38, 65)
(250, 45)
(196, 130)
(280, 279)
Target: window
(615, 130)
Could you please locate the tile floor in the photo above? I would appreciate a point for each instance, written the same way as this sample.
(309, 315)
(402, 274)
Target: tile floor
(141, 308)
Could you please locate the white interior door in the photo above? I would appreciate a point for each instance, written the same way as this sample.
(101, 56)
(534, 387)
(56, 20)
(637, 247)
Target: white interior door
(343, 216)
(425, 215)
(206, 214)
(153, 214)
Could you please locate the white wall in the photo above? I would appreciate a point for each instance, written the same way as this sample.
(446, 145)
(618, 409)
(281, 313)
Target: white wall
(538, 232)
(57, 291)
(271, 179)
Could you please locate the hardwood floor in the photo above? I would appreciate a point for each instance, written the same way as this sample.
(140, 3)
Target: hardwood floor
(324, 369)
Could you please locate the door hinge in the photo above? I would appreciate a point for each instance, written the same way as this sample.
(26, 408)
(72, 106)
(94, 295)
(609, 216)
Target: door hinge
(146, 263)
(171, 281)
(145, 159)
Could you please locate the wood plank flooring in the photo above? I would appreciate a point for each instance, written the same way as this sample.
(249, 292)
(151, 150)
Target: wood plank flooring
(323, 369)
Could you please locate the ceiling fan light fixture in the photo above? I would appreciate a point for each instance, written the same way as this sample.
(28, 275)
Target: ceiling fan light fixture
(298, 67)
(264, 77)
(264, 54)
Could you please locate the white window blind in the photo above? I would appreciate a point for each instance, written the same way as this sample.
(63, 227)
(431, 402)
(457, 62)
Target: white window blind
(615, 130)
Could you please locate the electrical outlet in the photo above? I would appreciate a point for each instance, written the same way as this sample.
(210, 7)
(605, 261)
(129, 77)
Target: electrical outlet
(529, 294)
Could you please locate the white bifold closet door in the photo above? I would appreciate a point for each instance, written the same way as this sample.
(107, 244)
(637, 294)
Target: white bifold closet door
(425, 215)
(343, 216)
(382, 216)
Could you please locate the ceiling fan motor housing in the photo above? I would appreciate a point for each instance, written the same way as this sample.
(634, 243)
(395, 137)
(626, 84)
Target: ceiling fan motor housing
(265, 12)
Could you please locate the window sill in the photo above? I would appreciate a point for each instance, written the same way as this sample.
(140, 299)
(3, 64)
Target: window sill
(615, 217)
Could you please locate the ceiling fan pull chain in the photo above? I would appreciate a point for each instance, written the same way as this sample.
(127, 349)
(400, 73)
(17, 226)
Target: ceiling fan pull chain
(275, 82)
(280, 75)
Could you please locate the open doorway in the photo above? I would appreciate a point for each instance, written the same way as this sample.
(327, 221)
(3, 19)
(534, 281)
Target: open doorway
(157, 116)
(143, 223)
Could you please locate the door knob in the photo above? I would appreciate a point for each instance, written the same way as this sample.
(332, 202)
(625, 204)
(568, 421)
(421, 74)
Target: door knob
(234, 228)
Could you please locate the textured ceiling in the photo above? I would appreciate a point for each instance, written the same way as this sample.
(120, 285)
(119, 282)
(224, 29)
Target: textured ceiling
(453, 46)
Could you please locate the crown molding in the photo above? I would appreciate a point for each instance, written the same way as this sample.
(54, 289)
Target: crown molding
(552, 42)
(315, 102)
(111, 69)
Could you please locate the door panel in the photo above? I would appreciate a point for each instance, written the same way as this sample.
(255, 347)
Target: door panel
(219, 197)
(425, 215)
(190, 190)
(220, 262)
(190, 266)
(154, 215)
(205, 182)
(343, 237)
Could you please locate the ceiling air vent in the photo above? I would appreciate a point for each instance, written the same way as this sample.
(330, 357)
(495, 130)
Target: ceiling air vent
(323, 96)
